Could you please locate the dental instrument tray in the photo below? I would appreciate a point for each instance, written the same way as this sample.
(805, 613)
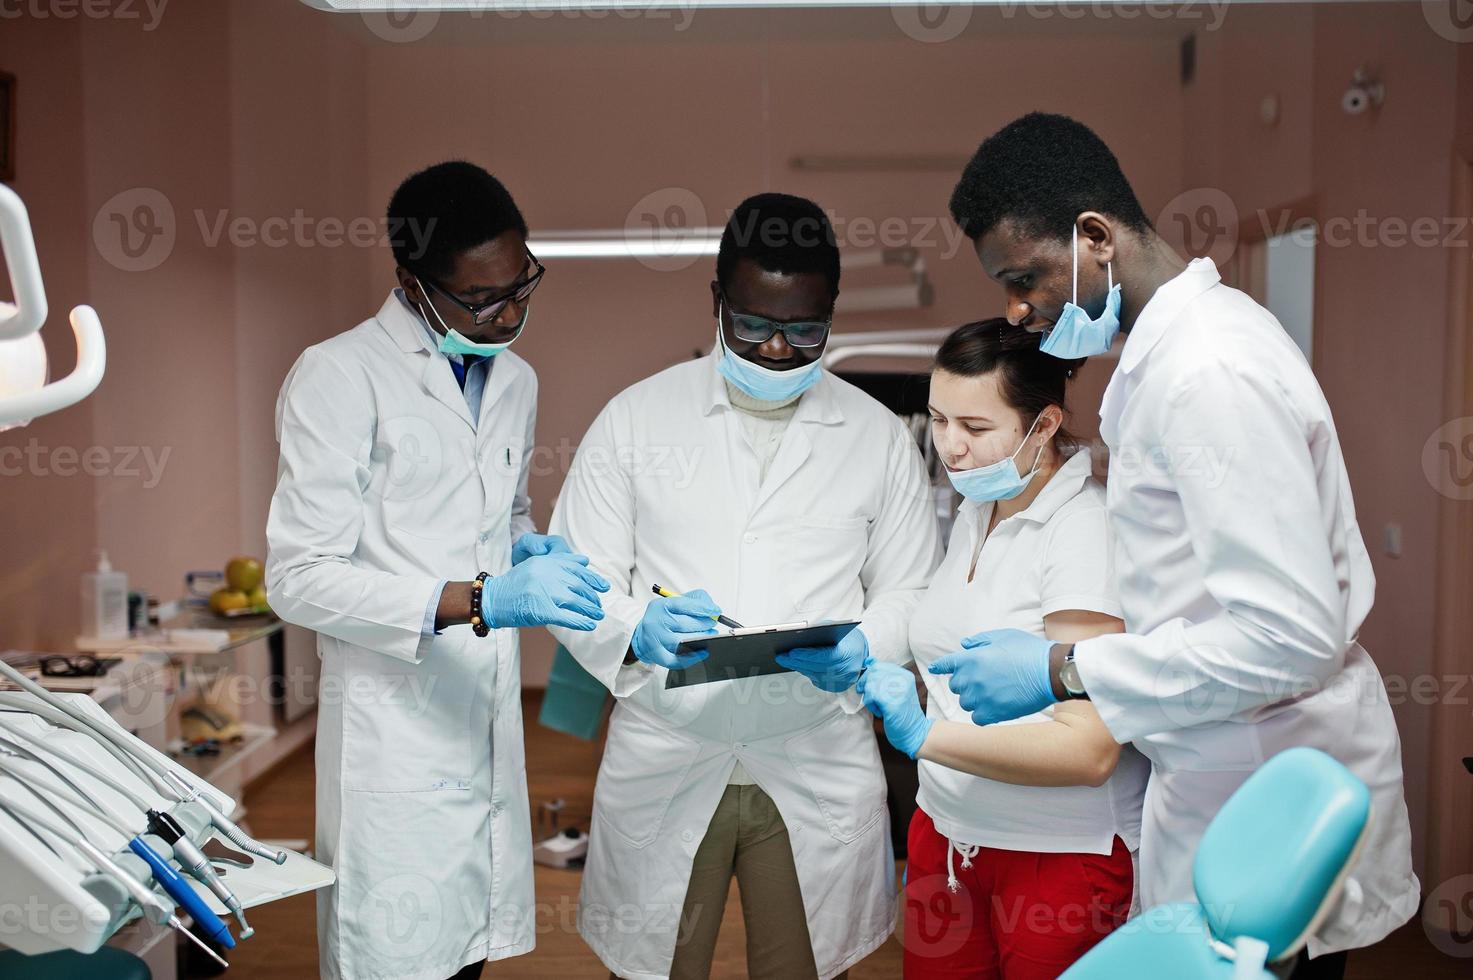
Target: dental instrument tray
(752, 652)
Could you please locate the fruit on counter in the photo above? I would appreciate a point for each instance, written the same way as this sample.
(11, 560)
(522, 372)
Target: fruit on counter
(244, 574)
(257, 598)
(223, 601)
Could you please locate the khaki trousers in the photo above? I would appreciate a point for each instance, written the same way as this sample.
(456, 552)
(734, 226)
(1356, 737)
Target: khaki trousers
(747, 838)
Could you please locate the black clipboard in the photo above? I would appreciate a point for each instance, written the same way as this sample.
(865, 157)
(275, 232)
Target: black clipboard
(752, 652)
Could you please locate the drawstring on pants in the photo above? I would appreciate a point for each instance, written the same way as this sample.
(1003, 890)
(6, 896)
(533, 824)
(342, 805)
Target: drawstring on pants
(967, 851)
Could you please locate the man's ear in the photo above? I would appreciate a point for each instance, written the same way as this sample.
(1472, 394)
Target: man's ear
(1098, 236)
(715, 298)
(409, 282)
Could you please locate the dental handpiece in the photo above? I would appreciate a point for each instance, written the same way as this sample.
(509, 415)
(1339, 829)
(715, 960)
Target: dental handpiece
(193, 860)
(180, 892)
(224, 824)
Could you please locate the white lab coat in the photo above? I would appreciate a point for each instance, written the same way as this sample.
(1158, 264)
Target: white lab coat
(384, 489)
(1244, 582)
(665, 490)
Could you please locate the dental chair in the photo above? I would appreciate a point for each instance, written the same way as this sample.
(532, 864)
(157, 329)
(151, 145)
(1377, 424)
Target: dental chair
(1270, 867)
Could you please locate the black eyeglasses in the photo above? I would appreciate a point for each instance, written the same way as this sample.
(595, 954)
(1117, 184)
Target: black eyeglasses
(82, 666)
(483, 313)
(753, 329)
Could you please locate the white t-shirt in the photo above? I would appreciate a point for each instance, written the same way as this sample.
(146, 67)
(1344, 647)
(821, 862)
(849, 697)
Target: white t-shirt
(1052, 556)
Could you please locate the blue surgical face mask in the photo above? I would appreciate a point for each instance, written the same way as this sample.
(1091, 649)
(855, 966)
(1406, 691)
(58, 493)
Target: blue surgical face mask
(453, 341)
(996, 481)
(764, 384)
(1075, 334)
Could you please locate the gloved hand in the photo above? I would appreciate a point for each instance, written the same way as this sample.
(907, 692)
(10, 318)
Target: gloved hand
(889, 692)
(545, 590)
(833, 669)
(1000, 675)
(669, 622)
(532, 544)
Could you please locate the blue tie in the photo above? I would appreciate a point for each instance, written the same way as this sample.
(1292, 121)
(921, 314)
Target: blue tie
(464, 365)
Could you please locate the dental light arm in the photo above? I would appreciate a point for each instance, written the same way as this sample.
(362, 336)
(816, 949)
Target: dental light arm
(22, 354)
(29, 310)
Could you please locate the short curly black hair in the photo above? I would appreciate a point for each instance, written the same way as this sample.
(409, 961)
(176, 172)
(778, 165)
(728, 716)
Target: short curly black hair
(1041, 171)
(781, 233)
(443, 210)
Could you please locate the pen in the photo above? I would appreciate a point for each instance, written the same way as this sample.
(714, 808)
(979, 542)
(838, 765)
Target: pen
(723, 620)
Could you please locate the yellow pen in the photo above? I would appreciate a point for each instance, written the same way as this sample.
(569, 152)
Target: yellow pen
(667, 594)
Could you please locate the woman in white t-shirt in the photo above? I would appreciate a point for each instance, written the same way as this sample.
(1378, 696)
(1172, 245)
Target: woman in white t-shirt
(1020, 851)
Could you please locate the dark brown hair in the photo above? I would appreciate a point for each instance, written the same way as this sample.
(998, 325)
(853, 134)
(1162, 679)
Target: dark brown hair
(1029, 379)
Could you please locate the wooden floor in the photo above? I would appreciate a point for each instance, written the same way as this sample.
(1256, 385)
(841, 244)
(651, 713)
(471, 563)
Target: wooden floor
(285, 944)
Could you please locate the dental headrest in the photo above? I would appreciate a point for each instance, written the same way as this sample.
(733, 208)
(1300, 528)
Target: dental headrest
(1272, 861)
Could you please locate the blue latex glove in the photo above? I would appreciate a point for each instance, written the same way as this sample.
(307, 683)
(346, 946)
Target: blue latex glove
(1000, 675)
(889, 692)
(545, 590)
(667, 623)
(833, 669)
(532, 544)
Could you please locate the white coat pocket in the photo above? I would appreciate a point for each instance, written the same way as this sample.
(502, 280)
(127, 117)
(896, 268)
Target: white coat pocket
(839, 765)
(823, 558)
(643, 767)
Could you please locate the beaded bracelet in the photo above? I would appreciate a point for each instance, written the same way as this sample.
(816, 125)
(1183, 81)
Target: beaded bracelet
(477, 623)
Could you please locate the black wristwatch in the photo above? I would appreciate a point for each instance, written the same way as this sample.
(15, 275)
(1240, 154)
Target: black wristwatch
(1069, 678)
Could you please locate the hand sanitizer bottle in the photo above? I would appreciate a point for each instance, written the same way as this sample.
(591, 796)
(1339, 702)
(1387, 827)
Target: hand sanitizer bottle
(105, 602)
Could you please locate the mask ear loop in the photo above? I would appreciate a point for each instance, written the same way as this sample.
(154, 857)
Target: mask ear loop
(721, 333)
(1032, 470)
(1074, 247)
(1026, 436)
(432, 306)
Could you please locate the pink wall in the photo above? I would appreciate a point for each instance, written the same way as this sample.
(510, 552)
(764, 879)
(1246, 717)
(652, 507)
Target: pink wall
(297, 115)
(171, 375)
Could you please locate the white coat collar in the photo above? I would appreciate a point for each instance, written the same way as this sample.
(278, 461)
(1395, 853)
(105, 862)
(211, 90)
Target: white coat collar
(1161, 310)
(818, 404)
(398, 320)
(1066, 483)
(408, 332)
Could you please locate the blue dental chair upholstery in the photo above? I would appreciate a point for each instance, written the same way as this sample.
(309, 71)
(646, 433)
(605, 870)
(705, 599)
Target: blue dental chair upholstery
(1269, 868)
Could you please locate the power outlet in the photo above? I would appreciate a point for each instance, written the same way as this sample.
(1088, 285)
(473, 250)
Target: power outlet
(1392, 537)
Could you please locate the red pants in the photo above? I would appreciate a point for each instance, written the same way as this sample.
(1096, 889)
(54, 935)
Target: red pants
(1018, 915)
